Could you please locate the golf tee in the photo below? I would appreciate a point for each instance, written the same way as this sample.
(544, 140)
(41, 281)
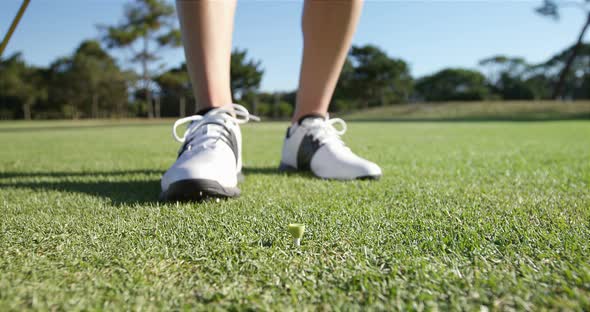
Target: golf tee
(297, 242)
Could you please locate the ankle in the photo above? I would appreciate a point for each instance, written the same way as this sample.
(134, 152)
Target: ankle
(298, 118)
(204, 110)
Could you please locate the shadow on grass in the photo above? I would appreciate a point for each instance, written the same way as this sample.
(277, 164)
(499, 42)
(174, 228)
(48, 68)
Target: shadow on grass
(261, 170)
(75, 126)
(59, 174)
(120, 187)
(274, 171)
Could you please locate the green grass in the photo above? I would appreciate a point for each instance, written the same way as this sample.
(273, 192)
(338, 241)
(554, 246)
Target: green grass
(467, 215)
(479, 111)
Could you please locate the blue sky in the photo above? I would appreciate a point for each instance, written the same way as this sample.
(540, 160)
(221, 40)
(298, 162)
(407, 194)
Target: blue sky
(429, 35)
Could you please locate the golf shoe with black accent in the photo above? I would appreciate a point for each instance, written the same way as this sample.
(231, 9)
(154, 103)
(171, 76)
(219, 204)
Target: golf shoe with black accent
(210, 158)
(314, 144)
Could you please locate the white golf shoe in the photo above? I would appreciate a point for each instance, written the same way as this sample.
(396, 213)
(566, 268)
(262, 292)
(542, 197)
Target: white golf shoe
(314, 144)
(210, 158)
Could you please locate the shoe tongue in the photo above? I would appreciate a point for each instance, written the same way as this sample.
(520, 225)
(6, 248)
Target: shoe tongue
(211, 128)
(210, 125)
(212, 119)
(206, 133)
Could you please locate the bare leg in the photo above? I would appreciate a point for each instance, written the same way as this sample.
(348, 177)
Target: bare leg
(328, 26)
(207, 33)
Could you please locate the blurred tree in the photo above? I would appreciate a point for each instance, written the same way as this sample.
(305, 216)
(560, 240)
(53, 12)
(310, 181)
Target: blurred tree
(86, 79)
(345, 92)
(506, 77)
(271, 104)
(149, 23)
(245, 74)
(375, 78)
(284, 109)
(585, 88)
(176, 91)
(245, 77)
(514, 88)
(579, 71)
(22, 83)
(501, 64)
(551, 8)
(540, 85)
(453, 85)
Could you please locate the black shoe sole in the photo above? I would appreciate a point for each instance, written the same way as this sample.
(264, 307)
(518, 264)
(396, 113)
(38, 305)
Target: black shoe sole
(369, 177)
(286, 168)
(290, 169)
(197, 190)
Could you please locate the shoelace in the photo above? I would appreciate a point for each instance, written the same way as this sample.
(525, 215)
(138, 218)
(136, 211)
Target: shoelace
(325, 131)
(238, 111)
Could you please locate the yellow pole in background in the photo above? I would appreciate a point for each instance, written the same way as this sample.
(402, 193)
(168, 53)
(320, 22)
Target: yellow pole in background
(17, 18)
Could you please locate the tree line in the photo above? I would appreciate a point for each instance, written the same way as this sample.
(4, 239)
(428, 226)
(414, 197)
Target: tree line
(91, 83)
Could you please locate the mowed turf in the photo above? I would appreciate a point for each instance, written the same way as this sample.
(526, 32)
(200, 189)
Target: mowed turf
(468, 214)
